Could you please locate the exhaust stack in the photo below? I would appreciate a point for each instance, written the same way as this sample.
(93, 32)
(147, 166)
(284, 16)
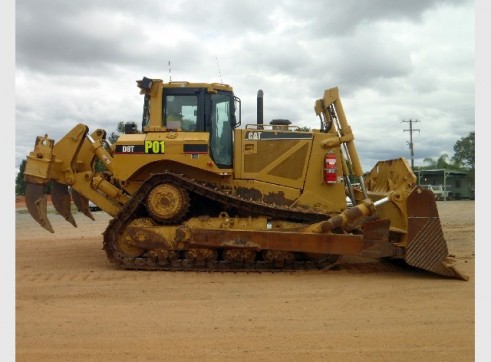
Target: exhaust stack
(260, 119)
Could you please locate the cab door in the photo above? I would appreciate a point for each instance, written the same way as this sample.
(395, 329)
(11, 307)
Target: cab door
(220, 128)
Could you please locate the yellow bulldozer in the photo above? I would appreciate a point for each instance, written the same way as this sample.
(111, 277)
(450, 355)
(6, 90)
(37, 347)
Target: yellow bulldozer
(196, 190)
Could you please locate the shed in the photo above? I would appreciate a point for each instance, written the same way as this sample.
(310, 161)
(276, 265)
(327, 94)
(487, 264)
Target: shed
(458, 183)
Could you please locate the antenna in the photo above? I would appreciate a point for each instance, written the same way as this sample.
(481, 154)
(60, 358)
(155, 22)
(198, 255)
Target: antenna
(170, 73)
(219, 73)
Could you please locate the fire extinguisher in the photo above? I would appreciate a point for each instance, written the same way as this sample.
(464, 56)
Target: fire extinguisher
(330, 175)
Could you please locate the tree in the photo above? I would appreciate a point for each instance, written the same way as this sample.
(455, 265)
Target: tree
(20, 184)
(440, 162)
(464, 152)
(113, 137)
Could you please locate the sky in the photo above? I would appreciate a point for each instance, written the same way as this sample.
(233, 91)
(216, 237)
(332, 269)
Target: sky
(392, 61)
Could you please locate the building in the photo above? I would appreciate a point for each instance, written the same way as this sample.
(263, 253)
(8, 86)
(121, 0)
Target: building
(459, 184)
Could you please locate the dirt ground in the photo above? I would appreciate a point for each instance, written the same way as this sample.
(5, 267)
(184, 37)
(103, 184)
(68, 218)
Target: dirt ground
(73, 305)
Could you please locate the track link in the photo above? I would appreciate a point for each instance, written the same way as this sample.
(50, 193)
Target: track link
(134, 208)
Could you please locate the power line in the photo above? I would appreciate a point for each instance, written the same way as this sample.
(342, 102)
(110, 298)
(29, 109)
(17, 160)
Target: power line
(411, 144)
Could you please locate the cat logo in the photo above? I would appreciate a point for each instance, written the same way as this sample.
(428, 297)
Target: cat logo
(253, 136)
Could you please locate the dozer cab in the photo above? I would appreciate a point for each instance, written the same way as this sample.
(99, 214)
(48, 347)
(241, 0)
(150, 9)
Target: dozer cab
(195, 190)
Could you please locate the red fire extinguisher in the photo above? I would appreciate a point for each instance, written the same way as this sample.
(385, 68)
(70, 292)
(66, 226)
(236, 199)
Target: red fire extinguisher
(330, 175)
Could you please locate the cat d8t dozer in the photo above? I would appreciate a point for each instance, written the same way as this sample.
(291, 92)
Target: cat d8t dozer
(194, 191)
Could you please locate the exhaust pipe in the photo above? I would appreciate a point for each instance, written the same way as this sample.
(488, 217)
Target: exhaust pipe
(260, 119)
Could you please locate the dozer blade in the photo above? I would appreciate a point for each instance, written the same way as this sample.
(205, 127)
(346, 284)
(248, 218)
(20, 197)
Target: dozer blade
(61, 201)
(427, 248)
(82, 203)
(37, 205)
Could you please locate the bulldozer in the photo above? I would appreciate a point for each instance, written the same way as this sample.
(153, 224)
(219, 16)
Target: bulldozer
(194, 189)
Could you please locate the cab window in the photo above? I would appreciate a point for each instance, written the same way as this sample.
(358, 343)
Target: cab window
(146, 112)
(181, 112)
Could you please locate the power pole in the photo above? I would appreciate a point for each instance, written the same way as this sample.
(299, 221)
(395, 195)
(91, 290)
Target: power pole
(411, 144)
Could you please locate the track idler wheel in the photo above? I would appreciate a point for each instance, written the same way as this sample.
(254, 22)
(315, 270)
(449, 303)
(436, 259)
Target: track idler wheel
(167, 203)
(127, 247)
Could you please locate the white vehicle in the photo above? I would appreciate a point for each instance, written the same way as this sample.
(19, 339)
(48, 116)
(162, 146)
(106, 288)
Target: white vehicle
(440, 193)
(93, 207)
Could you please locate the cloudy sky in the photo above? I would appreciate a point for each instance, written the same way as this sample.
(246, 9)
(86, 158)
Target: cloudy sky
(77, 61)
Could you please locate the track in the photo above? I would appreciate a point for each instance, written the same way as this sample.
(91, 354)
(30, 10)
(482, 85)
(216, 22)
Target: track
(180, 260)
